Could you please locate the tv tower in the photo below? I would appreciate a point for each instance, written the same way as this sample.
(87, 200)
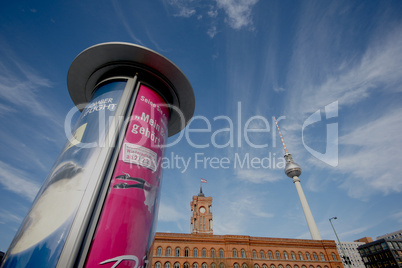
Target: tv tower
(293, 170)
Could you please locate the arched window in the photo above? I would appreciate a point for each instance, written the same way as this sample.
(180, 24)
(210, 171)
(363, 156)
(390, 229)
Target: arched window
(300, 256)
(243, 253)
(322, 256)
(288, 266)
(221, 265)
(168, 252)
(280, 266)
(212, 253)
(167, 264)
(262, 255)
(256, 266)
(334, 256)
(254, 254)
(318, 266)
(264, 266)
(158, 265)
(186, 265)
(270, 255)
(204, 265)
(236, 265)
(213, 265)
(195, 265)
(177, 265)
(308, 256)
(234, 253)
(159, 252)
(204, 253)
(315, 256)
(244, 265)
(293, 255)
(311, 266)
(272, 266)
(296, 266)
(285, 255)
(278, 255)
(186, 252)
(221, 253)
(195, 253)
(177, 254)
(304, 266)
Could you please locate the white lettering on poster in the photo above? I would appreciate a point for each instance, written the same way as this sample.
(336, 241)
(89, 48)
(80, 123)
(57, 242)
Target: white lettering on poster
(139, 155)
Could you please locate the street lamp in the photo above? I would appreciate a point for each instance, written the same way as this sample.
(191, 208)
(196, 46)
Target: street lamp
(347, 261)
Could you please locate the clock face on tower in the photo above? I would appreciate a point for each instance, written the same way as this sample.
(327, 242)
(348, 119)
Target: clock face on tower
(202, 210)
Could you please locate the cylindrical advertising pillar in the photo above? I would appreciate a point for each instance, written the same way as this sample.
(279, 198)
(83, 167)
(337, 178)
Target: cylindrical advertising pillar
(99, 205)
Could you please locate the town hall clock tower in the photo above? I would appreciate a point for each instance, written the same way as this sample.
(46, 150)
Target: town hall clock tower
(201, 220)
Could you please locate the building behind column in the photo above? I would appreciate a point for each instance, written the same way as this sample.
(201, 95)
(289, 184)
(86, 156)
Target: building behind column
(202, 249)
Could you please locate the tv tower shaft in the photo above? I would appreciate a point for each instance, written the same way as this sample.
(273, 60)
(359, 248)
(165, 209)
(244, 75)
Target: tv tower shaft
(293, 170)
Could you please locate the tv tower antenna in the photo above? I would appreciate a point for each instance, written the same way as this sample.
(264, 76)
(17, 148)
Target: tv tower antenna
(293, 170)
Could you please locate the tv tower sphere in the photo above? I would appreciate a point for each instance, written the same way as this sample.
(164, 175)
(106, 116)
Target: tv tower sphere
(292, 169)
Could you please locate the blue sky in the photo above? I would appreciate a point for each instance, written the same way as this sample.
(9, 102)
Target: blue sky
(247, 61)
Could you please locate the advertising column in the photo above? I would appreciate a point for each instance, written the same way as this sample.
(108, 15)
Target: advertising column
(99, 205)
(125, 229)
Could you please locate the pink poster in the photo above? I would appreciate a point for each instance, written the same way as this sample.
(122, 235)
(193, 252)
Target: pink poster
(126, 226)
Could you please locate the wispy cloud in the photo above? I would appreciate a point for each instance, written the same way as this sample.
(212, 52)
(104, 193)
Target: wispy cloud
(184, 8)
(17, 181)
(257, 175)
(170, 213)
(238, 12)
(372, 157)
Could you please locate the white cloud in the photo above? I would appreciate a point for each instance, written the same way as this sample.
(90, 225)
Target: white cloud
(212, 31)
(238, 12)
(17, 181)
(183, 8)
(170, 213)
(372, 156)
(257, 175)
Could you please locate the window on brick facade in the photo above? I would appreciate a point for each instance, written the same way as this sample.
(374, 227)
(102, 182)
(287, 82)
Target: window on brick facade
(280, 266)
(212, 253)
(204, 253)
(236, 265)
(278, 255)
(293, 255)
(296, 266)
(186, 252)
(213, 265)
(158, 265)
(334, 256)
(264, 266)
(243, 253)
(159, 252)
(254, 254)
(262, 255)
(168, 251)
(234, 253)
(221, 265)
(322, 256)
(244, 265)
(288, 266)
(315, 256)
(285, 255)
(221, 253)
(204, 265)
(308, 256)
(256, 266)
(270, 255)
(167, 264)
(186, 265)
(177, 254)
(272, 266)
(300, 256)
(195, 265)
(177, 265)
(195, 253)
